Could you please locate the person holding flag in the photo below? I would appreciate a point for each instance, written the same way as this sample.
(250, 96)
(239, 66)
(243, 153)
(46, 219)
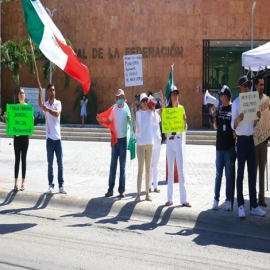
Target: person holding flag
(117, 119)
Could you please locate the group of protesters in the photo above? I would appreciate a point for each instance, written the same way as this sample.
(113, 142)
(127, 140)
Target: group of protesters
(234, 141)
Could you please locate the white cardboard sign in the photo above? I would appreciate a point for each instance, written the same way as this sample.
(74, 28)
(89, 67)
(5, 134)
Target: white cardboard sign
(133, 70)
(249, 104)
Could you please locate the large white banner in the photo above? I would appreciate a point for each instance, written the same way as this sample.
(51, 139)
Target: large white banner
(133, 70)
(31, 97)
(249, 104)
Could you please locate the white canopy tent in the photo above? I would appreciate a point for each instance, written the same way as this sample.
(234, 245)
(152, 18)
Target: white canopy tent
(257, 59)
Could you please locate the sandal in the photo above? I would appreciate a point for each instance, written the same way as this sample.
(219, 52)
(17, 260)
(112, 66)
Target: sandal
(168, 203)
(186, 204)
(16, 188)
(148, 198)
(138, 199)
(157, 190)
(22, 187)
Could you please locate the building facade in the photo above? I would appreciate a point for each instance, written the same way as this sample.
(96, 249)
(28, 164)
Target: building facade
(204, 40)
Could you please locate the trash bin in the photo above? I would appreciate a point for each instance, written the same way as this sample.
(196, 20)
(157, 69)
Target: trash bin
(176, 180)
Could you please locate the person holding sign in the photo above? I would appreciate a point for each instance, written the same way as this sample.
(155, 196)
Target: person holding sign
(174, 147)
(52, 109)
(261, 149)
(225, 145)
(145, 118)
(245, 152)
(156, 146)
(21, 143)
(84, 102)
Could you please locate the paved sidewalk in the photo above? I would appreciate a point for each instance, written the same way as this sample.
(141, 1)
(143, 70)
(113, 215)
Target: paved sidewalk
(86, 168)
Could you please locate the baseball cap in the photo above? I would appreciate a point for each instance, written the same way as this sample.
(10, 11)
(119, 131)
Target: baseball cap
(120, 92)
(174, 88)
(225, 90)
(142, 96)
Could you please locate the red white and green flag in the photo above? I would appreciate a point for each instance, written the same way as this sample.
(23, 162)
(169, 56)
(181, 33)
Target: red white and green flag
(50, 41)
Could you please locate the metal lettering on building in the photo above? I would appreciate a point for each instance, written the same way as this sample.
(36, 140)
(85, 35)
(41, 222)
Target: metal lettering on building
(146, 52)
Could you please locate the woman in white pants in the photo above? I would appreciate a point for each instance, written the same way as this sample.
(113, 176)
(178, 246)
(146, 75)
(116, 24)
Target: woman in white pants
(156, 146)
(174, 150)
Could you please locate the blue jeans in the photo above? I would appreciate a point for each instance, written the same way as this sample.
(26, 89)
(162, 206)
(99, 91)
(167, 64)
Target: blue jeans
(55, 146)
(246, 152)
(223, 159)
(118, 150)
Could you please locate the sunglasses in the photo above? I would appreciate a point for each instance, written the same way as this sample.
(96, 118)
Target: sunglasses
(145, 100)
(175, 93)
(245, 85)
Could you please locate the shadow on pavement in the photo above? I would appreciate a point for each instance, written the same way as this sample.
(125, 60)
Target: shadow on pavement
(11, 228)
(153, 224)
(42, 203)
(10, 197)
(123, 215)
(96, 208)
(251, 233)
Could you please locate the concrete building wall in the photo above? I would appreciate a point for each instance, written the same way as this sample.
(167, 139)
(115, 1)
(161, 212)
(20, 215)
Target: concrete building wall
(102, 31)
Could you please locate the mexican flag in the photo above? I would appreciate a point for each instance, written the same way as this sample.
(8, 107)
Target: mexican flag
(169, 85)
(50, 41)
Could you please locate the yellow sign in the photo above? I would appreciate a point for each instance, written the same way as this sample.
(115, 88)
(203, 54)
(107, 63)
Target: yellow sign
(173, 120)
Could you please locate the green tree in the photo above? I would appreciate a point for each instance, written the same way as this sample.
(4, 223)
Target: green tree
(14, 54)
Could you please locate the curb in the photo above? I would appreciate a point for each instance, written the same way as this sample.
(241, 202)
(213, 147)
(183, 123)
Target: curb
(151, 214)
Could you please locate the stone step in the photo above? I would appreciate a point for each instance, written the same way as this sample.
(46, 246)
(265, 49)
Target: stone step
(100, 134)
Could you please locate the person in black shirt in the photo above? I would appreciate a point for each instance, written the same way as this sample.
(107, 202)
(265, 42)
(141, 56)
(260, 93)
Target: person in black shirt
(225, 145)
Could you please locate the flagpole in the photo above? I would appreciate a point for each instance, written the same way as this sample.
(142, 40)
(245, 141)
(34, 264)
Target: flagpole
(38, 81)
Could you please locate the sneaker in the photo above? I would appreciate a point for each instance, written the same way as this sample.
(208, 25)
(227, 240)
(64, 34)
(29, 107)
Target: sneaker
(257, 211)
(228, 206)
(50, 189)
(62, 190)
(215, 205)
(109, 193)
(241, 211)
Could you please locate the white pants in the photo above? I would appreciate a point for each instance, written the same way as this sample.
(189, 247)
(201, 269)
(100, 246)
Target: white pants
(154, 165)
(174, 150)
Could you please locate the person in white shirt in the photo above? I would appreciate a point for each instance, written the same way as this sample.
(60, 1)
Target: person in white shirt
(261, 149)
(119, 117)
(144, 135)
(174, 150)
(156, 146)
(245, 153)
(52, 109)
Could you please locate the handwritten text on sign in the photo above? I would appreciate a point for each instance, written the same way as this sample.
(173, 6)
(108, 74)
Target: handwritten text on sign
(262, 129)
(20, 119)
(249, 103)
(133, 70)
(173, 120)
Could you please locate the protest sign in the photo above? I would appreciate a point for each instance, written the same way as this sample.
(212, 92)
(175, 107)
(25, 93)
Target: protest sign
(262, 129)
(172, 120)
(249, 104)
(133, 70)
(20, 119)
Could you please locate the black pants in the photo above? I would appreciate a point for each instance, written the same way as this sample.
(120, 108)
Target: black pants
(20, 149)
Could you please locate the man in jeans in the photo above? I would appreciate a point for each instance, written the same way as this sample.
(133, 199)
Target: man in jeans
(118, 118)
(225, 145)
(245, 153)
(52, 109)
